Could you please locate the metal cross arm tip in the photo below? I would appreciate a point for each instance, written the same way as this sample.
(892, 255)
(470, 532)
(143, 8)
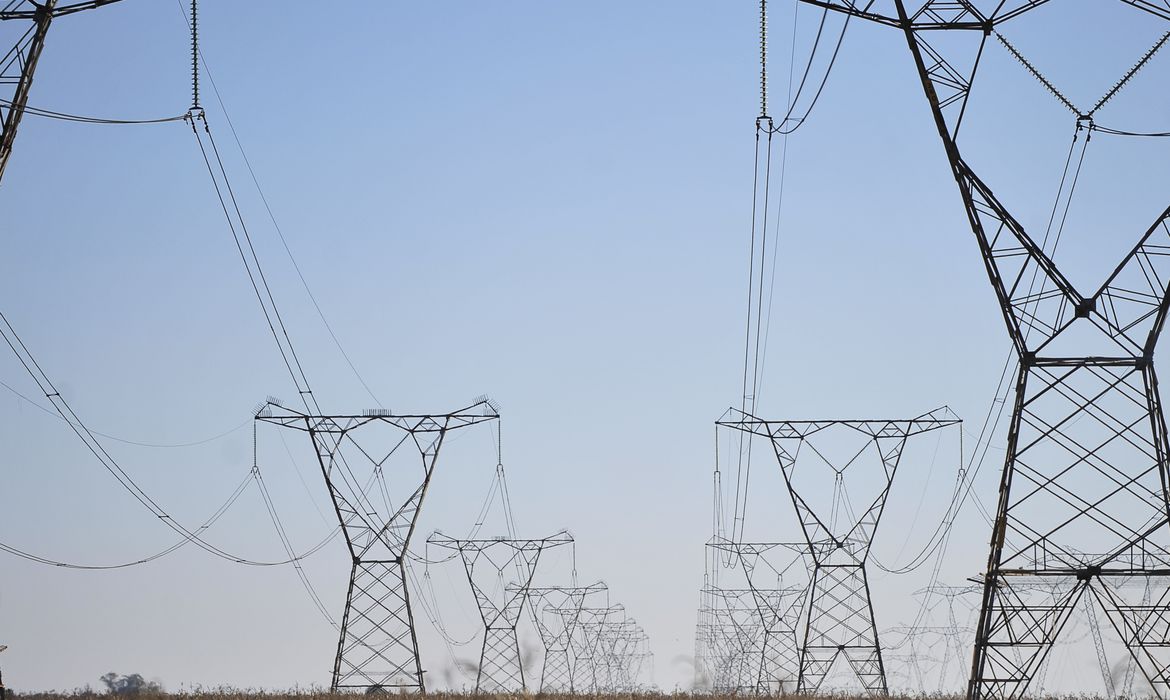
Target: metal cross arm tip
(26, 9)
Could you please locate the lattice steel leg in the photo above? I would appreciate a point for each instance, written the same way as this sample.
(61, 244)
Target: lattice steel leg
(500, 669)
(378, 646)
(1143, 625)
(781, 663)
(840, 623)
(556, 675)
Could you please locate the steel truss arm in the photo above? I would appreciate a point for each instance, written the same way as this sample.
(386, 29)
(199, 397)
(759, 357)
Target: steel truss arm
(10, 11)
(937, 15)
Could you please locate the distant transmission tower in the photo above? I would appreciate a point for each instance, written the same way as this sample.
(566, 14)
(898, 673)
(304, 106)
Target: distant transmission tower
(734, 639)
(588, 667)
(1084, 499)
(839, 622)
(18, 65)
(378, 647)
(779, 609)
(501, 669)
(556, 611)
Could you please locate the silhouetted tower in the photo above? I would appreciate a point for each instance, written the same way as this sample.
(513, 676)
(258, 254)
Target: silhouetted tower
(501, 669)
(378, 646)
(1084, 497)
(18, 65)
(839, 620)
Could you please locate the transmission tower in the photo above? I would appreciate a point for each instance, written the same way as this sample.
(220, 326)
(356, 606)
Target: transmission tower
(839, 621)
(621, 647)
(378, 646)
(945, 641)
(587, 666)
(1083, 498)
(733, 634)
(18, 65)
(779, 609)
(501, 669)
(556, 611)
(625, 650)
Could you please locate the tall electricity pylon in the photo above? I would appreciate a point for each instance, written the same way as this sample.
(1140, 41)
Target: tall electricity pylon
(556, 611)
(501, 670)
(18, 65)
(1085, 494)
(839, 621)
(378, 646)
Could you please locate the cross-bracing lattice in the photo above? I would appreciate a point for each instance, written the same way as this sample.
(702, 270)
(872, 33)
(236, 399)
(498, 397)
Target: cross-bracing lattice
(501, 670)
(609, 650)
(378, 647)
(732, 639)
(839, 622)
(556, 611)
(932, 652)
(622, 650)
(778, 607)
(584, 642)
(1084, 499)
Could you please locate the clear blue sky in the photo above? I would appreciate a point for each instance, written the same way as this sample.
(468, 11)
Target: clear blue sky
(545, 202)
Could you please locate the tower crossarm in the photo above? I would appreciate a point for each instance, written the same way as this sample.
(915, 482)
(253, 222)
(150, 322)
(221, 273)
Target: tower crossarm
(937, 15)
(25, 9)
(828, 539)
(354, 450)
(941, 417)
(555, 630)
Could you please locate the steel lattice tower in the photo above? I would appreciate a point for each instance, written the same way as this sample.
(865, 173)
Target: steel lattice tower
(839, 621)
(556, 611)
(587, 666)
(608, 648)
(1084, 500)
(378, 646)
(734, 636)
(501, 670)
(780, 610)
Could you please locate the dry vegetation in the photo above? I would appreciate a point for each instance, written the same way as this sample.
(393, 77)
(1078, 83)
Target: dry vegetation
(319, 694)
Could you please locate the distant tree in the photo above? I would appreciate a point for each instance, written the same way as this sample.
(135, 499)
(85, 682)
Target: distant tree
(133, 684)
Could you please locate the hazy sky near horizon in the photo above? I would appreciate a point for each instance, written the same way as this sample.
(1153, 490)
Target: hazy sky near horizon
(548, 203)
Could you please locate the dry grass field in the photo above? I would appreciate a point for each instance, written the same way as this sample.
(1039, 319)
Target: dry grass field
(318, 694)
